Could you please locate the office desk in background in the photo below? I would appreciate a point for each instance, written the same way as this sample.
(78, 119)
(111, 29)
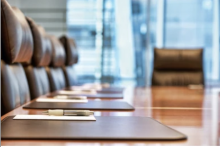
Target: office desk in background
(192, 112)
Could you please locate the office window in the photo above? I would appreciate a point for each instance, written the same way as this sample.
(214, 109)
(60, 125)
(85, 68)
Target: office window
(186, 24)
(189, 24)
(92, 24)
(116, 38)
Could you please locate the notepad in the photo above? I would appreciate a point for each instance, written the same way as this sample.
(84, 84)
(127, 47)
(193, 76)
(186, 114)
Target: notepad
(50, 117)
(77, 92)
(61, 100)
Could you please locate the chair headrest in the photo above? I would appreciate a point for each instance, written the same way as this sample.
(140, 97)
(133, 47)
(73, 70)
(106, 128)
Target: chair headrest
(17, 41)
(180, 59)
(42, 45)
(58, 54)
(70, 49)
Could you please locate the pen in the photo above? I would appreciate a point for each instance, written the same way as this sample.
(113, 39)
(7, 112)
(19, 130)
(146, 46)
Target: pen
(69, 112)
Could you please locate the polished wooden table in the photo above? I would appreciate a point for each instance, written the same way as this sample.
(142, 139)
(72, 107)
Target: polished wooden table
(194, 112)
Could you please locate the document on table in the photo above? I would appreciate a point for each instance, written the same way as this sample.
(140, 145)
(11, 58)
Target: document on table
(191, 86)
(61, 100)
(52, 117)
(85, 88)
(77, 92)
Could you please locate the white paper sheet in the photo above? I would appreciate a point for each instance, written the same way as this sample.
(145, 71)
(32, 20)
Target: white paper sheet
(50, 117)
(85, 88)
(60, 100)
(76, 92)
(195, 86)
(70, 97)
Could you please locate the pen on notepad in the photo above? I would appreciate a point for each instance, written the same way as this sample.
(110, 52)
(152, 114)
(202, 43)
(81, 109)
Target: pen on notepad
(69, 112)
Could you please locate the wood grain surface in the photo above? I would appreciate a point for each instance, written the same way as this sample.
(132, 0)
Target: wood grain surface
(192, 112)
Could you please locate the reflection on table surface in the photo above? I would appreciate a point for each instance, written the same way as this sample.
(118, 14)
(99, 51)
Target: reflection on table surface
(192, 112)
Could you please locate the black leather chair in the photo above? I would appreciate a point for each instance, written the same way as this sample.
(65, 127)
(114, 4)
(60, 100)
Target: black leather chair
(178, 67)
(54, 71)
(71, 59)
(16, 47)
(36, 72)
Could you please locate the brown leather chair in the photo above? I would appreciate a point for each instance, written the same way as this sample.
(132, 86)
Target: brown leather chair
(17, 47)
(178, 67)
(71, 59)
(36, 72)
(54, 71)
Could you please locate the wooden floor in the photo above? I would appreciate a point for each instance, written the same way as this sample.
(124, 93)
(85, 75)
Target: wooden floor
(194, 112)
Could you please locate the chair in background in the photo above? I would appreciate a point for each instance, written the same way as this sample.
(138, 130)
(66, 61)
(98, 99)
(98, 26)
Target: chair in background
(54, 71)
(178, 67)
(71, 59)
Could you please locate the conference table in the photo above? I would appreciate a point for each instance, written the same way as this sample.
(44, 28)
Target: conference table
(194, 112)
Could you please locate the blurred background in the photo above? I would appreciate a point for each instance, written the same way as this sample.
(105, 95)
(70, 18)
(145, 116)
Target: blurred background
(115, 38)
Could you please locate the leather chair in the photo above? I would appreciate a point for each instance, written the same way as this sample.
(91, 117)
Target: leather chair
(36, 72)
(70, 76)
(16, 47)
(54, 71)
(71, 59)
(178, 67)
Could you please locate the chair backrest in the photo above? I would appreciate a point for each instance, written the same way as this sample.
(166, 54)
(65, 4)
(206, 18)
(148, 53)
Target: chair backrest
(17, 47)
(70, 48)
(72, 58)
(178, 67)
(54, 72)
(36, 72)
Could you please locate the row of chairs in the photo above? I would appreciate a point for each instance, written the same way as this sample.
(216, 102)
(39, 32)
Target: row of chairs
(33, 62)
